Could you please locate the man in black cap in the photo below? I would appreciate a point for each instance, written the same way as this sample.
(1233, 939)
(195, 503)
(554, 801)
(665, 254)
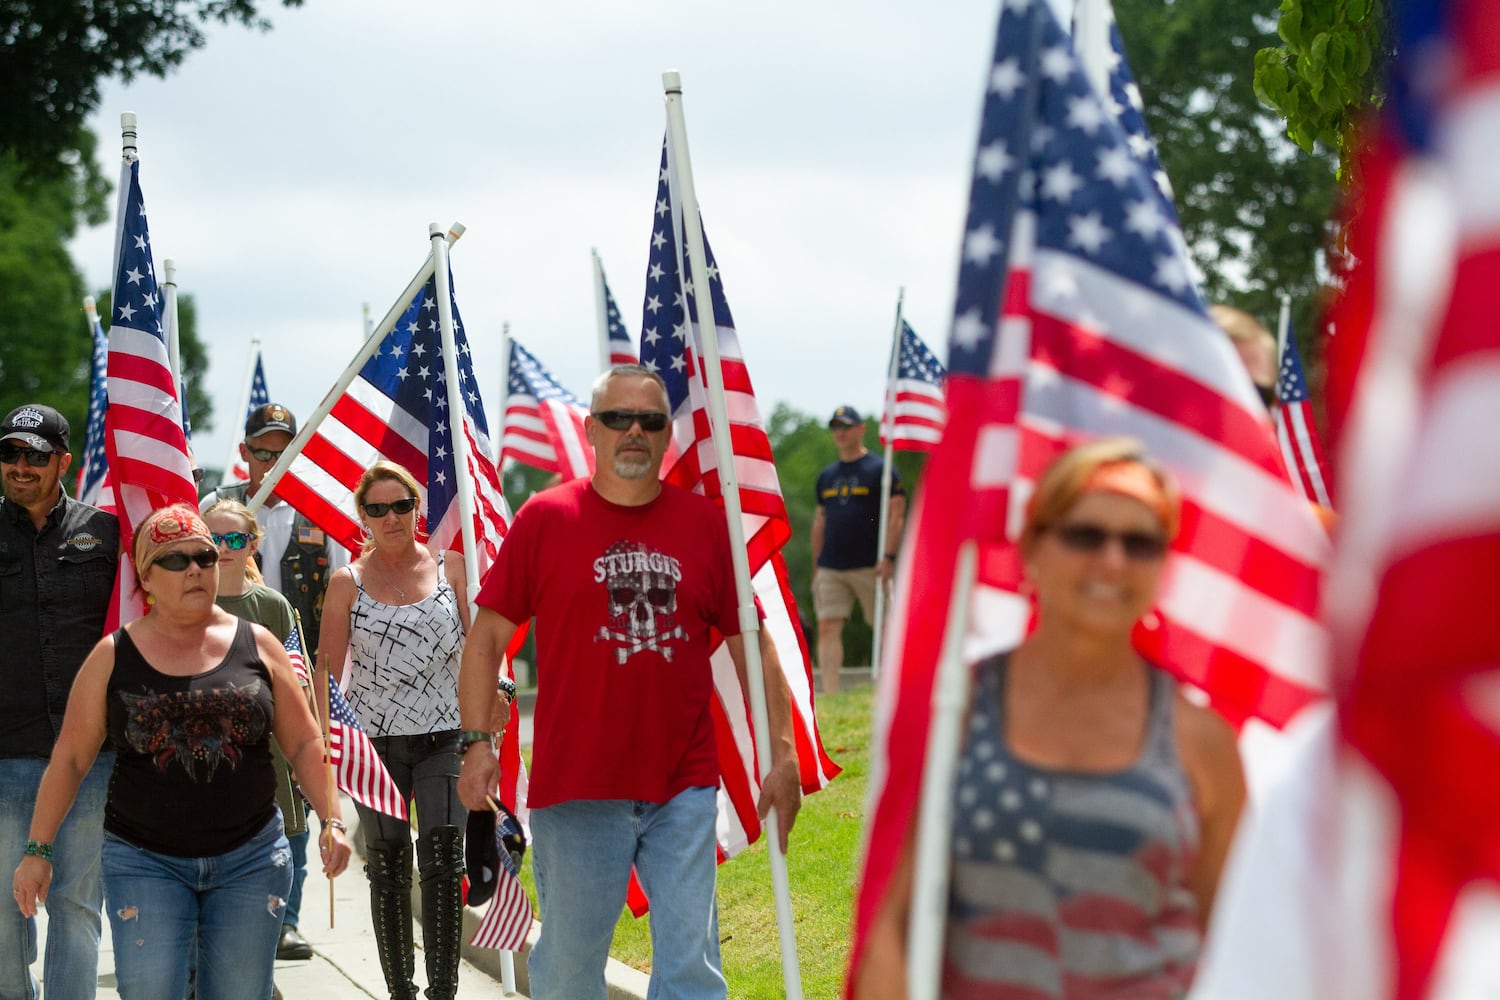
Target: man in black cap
(57, 571)
(845, 535)
(296, 558)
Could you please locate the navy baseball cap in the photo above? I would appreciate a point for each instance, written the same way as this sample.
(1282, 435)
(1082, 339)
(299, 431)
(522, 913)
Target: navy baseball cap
(38, 426)
(270, 417)
(845, 416)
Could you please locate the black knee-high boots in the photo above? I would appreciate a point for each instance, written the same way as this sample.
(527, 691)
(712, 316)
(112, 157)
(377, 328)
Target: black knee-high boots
(440, 862)
(388, 866)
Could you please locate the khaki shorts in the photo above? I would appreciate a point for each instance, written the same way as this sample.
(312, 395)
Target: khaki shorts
(835, 590)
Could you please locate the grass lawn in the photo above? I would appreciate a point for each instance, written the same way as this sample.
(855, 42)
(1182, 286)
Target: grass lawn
(821, 869)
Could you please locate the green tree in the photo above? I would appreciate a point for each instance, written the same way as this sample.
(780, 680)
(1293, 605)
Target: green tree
(45, 356)
(1327, 72)
(59, 52)
(1255, 209)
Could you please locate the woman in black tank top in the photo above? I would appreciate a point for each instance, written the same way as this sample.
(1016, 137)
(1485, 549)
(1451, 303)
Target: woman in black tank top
(188, 696)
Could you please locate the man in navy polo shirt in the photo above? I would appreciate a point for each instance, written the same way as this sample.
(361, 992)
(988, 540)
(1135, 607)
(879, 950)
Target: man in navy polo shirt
(845, 536)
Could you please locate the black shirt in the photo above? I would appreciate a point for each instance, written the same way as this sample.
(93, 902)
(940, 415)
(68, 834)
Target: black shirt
(849, 493)
(55, 587)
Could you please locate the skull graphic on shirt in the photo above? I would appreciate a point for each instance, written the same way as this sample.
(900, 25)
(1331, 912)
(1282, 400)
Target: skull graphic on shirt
(641, 584)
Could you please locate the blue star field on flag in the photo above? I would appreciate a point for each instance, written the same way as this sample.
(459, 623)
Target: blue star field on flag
(259, 395)
(664, 320)
(620, 346)
(1291, 384)
(95, 465)
(916, 360)
(136, 301)
(409, 369)
(1049, 146)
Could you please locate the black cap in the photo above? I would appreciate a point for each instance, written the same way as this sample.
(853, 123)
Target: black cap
(845, 416)
(37, 426)
(270, 417)
(487, 835)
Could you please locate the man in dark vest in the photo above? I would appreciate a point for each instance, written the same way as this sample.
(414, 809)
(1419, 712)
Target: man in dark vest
(296, 558)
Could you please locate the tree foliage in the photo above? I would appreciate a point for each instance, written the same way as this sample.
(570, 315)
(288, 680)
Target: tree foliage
(1327, 71)
(1255, 209)
(59, 52)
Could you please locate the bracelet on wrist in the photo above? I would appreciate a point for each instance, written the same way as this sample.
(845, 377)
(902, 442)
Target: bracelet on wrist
(38, 850)
(336, 823)
(469, 737)
(507, 687)
(891, 556)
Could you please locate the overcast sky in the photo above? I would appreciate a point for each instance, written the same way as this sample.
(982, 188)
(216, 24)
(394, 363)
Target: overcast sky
(292, 175)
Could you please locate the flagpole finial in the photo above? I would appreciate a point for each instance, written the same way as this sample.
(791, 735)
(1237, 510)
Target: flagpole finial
(128, 133)
(434, 229)
(671, 81)
(455, 231)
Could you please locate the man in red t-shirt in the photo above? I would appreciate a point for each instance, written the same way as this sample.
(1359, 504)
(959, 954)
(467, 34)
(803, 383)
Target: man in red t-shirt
(627, 579)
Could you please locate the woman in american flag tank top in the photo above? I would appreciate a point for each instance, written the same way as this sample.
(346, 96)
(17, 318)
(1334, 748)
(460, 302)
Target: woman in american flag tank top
(1093, 805)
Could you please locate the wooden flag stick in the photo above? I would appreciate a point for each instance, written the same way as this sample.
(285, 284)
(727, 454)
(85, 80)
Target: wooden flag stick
(323, 712)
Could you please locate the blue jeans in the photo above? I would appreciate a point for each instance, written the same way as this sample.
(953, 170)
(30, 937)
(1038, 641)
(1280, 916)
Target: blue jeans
(298, 843)
(583, 852)
(226, 909)
(71, 967)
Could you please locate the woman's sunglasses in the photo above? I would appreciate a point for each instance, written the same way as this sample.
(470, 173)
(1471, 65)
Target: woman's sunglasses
(11, 454)
(381, 509)
(651, 421)
(176, 562)
(236, 540)
(1138, 545)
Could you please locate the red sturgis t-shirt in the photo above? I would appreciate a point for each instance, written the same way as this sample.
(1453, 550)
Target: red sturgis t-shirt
(624, 599)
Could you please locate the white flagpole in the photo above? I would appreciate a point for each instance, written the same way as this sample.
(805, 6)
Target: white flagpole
(692, 228)
(457, 408)
(1283, 327)
(90, 315)
(927, 923)
(239, 415)
(457, 424)
(504, 393)
(887, 426)
(601, 311)
(129, 153)
(1091, 20)
(368, 324)
(174, 351)
(371, 345)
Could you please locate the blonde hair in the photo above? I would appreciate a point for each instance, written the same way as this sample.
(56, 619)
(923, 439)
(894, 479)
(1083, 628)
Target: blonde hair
(1067, 479)
(387, 471)
(239, 510)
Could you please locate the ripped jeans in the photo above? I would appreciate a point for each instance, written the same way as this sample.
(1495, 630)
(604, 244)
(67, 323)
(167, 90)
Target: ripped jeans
(228, 906)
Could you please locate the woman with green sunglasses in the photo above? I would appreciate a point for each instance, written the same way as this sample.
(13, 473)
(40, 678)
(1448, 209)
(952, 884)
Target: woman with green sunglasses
(242, 590)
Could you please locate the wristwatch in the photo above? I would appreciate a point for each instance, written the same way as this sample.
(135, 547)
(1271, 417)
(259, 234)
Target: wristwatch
(470, 736)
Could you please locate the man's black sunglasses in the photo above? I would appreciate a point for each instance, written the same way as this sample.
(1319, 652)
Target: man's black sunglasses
(399, 506)
(651, 421)
(10, 454)
(1138, 545)
(178, 561)
(264, 454)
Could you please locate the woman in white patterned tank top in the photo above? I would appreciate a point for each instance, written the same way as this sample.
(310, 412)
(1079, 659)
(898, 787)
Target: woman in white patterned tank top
(398, 613)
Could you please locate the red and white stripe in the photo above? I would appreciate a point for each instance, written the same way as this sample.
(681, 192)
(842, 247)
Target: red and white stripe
(920, 414)
(1302, 451)
(692, 464)
(547, 434)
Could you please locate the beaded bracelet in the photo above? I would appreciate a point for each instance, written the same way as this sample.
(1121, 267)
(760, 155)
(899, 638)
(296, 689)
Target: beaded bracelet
(38, 850)
(336, 823)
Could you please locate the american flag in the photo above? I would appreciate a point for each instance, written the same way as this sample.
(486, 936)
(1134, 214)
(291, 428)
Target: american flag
(917, 424)
(144, 442)
(670, 346)
(235, 470)
(357, 768)
(1100, 331)
(93, 472)
(621, 350)
(1296, 431)
(508, 920)
(543, 421)
(397, 409)
(1415, 395)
